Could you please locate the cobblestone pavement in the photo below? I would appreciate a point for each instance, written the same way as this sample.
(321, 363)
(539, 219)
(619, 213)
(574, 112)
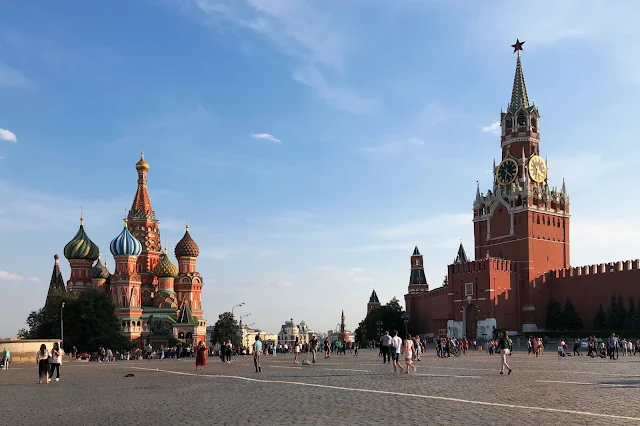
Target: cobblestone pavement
(340, 390)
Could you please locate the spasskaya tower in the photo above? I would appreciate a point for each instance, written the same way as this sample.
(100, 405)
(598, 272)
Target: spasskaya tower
(522, 218)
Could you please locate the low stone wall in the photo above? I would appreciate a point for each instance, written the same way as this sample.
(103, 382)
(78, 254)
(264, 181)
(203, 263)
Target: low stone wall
(24, 350)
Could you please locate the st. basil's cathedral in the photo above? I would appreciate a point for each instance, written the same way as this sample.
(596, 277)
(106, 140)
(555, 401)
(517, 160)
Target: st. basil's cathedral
(155, 300)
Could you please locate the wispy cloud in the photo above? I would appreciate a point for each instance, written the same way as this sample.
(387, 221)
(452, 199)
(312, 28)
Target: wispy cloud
(6, 276)
(10, 77)
(392, 147)
(8, 135)
(493, 128)
(266, 136)
(441, 225)
(311, 35)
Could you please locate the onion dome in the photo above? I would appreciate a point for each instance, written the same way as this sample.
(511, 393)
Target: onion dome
(100, 271)
(142, 164)
(164, 268)
(125, 244)
(186, 247)
(81, 247)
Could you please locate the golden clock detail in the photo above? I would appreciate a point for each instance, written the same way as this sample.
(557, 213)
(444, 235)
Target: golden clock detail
(537, 169)
(507, 171)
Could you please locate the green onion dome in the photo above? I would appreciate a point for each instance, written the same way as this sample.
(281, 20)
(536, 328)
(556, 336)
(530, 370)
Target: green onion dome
(186, 247)
(100, 271)
(81, 247)
(164, 268)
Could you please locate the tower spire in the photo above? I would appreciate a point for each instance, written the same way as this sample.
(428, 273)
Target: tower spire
(519, 97)
(141, 207)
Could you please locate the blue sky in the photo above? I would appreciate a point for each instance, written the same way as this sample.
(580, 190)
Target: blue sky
(379, 115)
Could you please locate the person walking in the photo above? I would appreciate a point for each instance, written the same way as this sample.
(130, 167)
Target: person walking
(396, 350)
(56, 361)
(42, 359)
(296, 351)
(257, 350)
(408, 353)
(313, 344)
(201, 355)
(385, 342)
(504, 346)
(6, 359)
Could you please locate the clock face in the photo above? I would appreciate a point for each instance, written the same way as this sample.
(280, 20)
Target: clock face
(507, 172)
(537, 169)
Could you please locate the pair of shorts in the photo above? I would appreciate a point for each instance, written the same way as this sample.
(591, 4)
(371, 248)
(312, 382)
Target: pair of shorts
(395, 356)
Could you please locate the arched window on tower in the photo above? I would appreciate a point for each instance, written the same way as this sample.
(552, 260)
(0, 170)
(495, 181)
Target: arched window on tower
(522, 119)
(538, 220)
(534, 124)
(508, 123)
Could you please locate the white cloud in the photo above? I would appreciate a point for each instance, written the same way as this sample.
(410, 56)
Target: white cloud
(266, 136)
(442, 226)
(493, 128)
(6, 276)
(8, 135)
(345, 275)
(10, 77)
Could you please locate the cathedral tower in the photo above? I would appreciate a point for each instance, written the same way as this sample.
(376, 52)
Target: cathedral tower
(143, 225)
(188, 283)
(81, 253)
(125, 282)
(57, 282)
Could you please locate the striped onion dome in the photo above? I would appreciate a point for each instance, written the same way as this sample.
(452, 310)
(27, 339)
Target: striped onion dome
(99, 270)
(81, 247)
(186, 247)
(125, 244)
(164, 268)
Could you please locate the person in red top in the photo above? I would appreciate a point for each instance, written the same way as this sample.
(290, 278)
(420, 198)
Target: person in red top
(201, 355)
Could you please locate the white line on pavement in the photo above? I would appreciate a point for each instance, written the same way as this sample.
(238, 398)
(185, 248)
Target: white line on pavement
(346, 369)
(410, 395)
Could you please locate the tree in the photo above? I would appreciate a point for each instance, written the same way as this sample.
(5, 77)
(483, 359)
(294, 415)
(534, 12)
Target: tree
(90, 321)
(631, 315)
(613, 318)
(600, 320)
(390, 315)
(636, 319)
(570, 318)
(622, 312)
(226, 328)
(553, 315)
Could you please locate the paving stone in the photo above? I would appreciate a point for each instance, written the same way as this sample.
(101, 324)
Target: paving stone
(340, 390)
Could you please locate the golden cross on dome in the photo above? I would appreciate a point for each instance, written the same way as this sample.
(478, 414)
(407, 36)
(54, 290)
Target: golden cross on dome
(518, 45)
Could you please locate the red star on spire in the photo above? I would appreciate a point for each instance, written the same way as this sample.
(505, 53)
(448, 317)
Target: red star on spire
(518, 45)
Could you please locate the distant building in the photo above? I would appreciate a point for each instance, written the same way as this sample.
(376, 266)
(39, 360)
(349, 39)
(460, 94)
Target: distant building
(374, 302)
(290, 331)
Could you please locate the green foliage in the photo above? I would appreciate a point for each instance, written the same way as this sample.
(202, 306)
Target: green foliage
(613, 316)
(630, 317)
(600, 320)
(622, 312)
(553, 319)
(570, 318)
(90, 321)
(391, 317)
(226, 328)
(173, 342)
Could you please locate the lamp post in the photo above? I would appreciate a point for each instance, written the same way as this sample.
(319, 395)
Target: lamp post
(405, 316)
(379, 329)
(241, 328)
(236, 306)
(61, 325)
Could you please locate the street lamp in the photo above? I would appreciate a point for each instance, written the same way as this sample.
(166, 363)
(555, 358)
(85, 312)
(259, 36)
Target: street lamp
(61, 325)
(236, 306)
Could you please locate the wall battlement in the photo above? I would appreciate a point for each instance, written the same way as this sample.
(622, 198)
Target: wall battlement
(490, 264)
(602, 268)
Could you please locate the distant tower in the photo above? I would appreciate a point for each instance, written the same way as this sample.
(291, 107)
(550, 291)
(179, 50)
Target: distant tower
(57, 282)
(417, 280)
(342, 336)
(461, 257)
(165, 297)
(373, 301)
(81, 253)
